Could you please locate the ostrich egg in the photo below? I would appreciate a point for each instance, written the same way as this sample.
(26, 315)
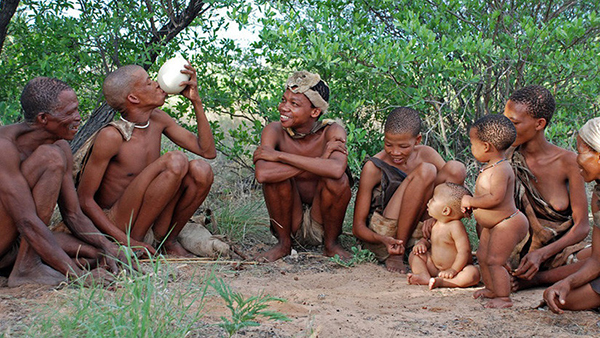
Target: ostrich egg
(170, 76)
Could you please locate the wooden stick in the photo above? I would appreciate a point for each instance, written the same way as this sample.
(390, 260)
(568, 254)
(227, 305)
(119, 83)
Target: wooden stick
(201, 260)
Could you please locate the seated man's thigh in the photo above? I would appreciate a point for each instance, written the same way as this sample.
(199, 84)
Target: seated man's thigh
(172, 163)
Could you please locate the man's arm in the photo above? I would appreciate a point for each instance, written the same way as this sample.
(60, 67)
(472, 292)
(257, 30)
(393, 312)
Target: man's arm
(331, 167)
(16, 197)
(203, 143)
(81, 226)
(270, 171)
(106, 146)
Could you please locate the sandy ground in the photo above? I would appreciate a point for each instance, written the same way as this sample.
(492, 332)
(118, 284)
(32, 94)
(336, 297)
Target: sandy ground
(327, 300)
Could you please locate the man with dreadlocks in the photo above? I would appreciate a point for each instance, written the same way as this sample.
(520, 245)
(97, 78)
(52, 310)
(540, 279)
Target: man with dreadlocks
(301, 163)
(548, 190)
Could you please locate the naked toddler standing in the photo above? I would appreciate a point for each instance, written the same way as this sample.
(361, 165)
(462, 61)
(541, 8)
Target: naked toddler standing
(503, 225)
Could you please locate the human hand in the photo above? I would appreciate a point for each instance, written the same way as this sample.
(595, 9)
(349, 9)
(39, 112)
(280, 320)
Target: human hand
(146, 249)
(115, 255)
(529, 265)
(265, 153)
(394, 246)
(336, 144)
(427, 226)
(448, 274)
(465, 204)
(191, 86)
(556, 294)
(420, 248)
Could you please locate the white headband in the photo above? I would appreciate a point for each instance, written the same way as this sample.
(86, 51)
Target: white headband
(590, 133)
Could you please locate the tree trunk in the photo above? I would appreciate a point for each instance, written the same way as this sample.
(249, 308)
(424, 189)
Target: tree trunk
(7, 10)
(100, 117)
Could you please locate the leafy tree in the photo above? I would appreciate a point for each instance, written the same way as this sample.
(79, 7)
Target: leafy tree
(81, 41)
(453, 60)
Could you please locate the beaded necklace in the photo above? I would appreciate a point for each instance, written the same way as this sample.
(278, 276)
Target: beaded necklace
(491, 166)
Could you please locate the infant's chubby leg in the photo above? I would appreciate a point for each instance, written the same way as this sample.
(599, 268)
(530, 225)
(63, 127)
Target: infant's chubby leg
(419, 265)
(468, 276)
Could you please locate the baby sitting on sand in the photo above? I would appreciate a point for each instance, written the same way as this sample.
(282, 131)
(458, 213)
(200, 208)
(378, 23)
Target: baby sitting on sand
(444, 259)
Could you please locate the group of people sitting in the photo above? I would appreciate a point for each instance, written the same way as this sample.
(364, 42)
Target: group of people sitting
(529, 199)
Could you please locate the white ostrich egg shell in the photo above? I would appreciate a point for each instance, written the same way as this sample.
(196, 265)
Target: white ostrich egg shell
(170, 76)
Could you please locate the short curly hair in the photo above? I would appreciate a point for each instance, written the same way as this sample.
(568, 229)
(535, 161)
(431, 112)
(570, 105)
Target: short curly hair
(41, 95)
(455, 195)
(539, 101)
(403, 120)
(497, 130)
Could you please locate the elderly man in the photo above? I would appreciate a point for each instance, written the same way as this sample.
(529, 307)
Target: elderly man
(35, 173)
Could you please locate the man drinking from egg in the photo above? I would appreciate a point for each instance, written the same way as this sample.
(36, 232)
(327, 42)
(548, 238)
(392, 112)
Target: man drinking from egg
(125, 186)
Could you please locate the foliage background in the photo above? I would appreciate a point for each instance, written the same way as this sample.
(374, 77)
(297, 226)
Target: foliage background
(453, 60)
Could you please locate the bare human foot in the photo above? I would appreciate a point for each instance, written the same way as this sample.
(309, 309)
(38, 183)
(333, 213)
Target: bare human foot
(483, 293)
(434, 282)
(337, 249)
(394, 263)
(499, 303)
(35, 274)
(275, 253)
(175, 249)
(414, 279)
(517, 284)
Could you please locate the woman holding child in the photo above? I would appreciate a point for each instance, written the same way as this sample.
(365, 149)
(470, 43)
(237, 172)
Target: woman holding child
(581, 290)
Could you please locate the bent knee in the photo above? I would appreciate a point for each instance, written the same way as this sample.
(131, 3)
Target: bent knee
(52, 157)
(337, 186)
(426, 172)
(201, 172)
(455, 172)
(176, 162)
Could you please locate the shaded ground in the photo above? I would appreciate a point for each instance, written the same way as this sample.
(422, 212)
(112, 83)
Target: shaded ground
(327, 300)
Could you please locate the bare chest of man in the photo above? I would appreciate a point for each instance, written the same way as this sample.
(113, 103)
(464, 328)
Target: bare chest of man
(136, 154)
(310, 146)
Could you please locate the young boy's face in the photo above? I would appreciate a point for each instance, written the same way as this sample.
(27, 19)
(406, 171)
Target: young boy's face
(400, 146)
(296, 110)
(524, 123)
(477, 146)
(588, 160)
(437, 203)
